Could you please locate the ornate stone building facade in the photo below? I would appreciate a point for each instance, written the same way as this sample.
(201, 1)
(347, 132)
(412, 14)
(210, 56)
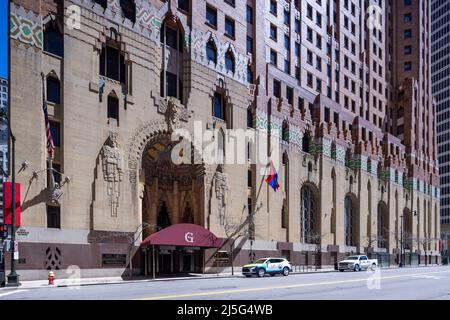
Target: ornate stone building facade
(121, 77)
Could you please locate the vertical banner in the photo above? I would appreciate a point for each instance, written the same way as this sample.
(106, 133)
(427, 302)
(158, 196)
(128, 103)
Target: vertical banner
(7, 188)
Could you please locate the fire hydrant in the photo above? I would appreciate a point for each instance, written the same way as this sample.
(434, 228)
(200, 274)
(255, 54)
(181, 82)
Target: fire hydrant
(51, 278)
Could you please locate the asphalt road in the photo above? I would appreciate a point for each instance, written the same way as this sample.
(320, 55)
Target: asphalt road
(431, 283)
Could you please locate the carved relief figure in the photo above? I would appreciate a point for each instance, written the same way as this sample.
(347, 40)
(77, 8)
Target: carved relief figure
(221, 194)
(112, 158)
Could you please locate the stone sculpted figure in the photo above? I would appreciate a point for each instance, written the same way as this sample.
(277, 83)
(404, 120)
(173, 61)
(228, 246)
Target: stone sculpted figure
(112, 158)
(221, 194)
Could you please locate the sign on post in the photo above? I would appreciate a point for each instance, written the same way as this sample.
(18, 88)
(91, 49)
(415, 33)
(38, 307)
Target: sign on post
(7, 209)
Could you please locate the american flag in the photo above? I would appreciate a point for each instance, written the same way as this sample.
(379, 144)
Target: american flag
(50, 144)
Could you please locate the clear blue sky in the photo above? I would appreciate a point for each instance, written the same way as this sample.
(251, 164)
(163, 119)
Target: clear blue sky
(3, 38)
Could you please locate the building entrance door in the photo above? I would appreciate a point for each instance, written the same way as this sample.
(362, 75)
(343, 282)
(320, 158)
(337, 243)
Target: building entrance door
(187, 262)
(164, 263)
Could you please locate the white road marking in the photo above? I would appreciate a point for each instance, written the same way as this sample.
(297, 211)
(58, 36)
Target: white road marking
(426, 277)
(11, 292)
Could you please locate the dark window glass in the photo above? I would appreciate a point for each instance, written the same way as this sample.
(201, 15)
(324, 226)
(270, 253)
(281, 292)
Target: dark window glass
(171, 38)
(229, 61)
(112, 64)
(249, 75)
(211, 52)
(53, 90)
(183, 5)
(128, 9)
(249, 118)
(249, 14)
(53, 41)
(211, 16)
(171, 84)
(53, 217)
(229, 27)
(277, 88)
(103, 3)
(55, 129)
(218, 106)
(113, 108)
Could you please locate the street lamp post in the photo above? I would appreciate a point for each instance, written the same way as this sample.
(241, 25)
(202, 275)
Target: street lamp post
(401, 241)
(13, 277)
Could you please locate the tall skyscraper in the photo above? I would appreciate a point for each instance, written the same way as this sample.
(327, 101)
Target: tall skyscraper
(342, 86)
(440, 12)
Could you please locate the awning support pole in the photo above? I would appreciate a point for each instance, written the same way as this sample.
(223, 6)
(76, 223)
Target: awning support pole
(153, 262)
(203, 258)
(146, 262)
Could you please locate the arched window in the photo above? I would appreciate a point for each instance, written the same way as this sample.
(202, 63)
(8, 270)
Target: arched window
(128, 9)
(53, 40)
(306, 142)
(53, 90)
(333, 203)
(113, 107)
(407, 229)
(285, 131)
(382, 225)
(229, 61)
(250, 119)
(349, 220)
(163, 220)
(309, 216)
(211, 51)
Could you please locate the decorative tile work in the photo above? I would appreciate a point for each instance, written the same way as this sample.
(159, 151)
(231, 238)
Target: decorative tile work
(262, 122)
(392, 172)
(324, 147)
(400, 178)
(198, 49)
(408, 184)
(276, 127)
(26, 27)
(340, 153)
(421, 186)
(374, 167)
(364, 163)
(295, 135)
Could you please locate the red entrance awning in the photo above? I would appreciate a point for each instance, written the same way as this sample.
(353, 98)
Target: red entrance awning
(183, 235)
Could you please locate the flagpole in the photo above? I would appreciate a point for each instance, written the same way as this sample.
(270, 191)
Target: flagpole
(50, 176)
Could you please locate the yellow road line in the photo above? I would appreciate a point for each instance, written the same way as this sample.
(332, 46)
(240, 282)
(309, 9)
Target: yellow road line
(210, 293)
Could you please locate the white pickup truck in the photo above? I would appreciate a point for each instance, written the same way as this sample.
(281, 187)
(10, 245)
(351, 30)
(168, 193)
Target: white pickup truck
(357, 263)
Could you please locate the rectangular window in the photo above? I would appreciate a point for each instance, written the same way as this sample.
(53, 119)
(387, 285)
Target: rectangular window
(183, 5)
(211, 16)
(277, 89)
(55, 128)
(290, 95)
(273, 57)
(54, 217)
(407, 33)
(273, 7)
(249, 44)
(218, 106)
(249, 14)
(229, 27)
(53, 90)
(273, 32)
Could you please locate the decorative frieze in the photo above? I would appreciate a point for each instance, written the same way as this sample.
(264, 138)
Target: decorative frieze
(262, 121)
(26, 27)
(198, 49)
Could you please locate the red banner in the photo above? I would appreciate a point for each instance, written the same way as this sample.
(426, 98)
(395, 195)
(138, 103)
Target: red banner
(7, 210)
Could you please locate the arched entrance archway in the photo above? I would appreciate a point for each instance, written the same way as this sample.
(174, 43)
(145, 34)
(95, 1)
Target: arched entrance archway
(383, 225)
(173, 194)
(310, 217)
(351, 220)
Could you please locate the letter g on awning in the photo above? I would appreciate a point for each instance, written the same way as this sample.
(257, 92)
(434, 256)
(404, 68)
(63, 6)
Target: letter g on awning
(183, 235)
